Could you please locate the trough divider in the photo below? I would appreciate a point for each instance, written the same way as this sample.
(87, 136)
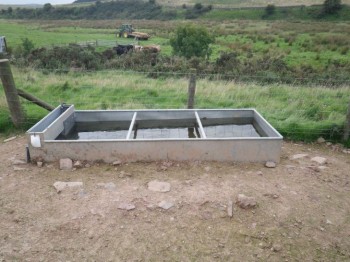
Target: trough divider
(131, 126)
(204, 136)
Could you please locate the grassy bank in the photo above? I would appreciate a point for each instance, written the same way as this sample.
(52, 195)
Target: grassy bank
(298, 112)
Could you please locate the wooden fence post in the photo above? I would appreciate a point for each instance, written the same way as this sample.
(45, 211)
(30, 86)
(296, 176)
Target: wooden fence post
(191, 89)
(16, 111)
(347, 125)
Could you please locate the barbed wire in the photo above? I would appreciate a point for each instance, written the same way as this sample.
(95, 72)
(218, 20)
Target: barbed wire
(215, 76)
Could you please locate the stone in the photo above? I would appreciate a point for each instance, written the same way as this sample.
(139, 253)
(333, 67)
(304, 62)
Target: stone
(18, 162)
(167, 164)
(165, 205)
(321, 140)
(39, 164)
(60, 186)
(319, 160)
(314, 168)
(10, 139)
(66, 164)
(346, 151)
(117, 162)
(207, 168)
(87, 165)
(270, 164)
(230, 208)
(328, 143)
(110, 186)
(16, 168)
(126, 206)
(276, 248)
(245, 202)
(78, 164)
(274, 196)
(158, 186)
(123, 174)
(290, 166)
(298, 156)
(259, 173)
(163, 168)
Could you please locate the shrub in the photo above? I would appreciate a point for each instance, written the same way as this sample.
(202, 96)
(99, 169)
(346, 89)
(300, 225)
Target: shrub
(331, 6)
(269, 11)
(27, 46)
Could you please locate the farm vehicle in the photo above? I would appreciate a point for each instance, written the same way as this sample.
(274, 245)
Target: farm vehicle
(127, 31)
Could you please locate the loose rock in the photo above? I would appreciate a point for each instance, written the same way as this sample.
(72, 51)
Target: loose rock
(259, 173)
(314, 168)
(18, 162)
(158, 186)
(39, 164)
(207, 168)
(319, 160)
(126, 206)
(117, 162)
(59, 186)
(123, 174)
(165, 205)
(245, 202)
(10, 139)
(230, 208)
(270, 164)
(276, 248)
(78, 164)
(346, 151)
(110, 186)
(16, 168)
(66, 164)
(321, 140)
(298, 156)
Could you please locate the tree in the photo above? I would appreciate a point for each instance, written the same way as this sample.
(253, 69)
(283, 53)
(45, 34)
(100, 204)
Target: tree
(191, 41)
(270, 10)
(47, 7)
(331, 6)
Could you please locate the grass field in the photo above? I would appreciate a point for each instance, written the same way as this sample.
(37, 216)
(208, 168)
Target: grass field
(315, 44)
(298, 112)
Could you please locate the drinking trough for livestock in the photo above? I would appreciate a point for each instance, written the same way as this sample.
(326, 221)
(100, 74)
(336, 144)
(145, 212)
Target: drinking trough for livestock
(148, 135)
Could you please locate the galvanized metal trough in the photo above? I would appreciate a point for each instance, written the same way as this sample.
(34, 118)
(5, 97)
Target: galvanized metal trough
(149, 135)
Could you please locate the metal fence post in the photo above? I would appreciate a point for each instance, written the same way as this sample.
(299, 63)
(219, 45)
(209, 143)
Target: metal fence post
(16, 111)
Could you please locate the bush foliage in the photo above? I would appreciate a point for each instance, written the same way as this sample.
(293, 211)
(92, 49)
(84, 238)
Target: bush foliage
(190, 40)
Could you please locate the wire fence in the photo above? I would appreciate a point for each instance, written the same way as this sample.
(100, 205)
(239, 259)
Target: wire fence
(315, 120)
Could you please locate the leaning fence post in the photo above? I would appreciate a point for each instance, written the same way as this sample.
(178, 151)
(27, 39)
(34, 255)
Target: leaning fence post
(347, 125)
(191, 89)
(16, 111)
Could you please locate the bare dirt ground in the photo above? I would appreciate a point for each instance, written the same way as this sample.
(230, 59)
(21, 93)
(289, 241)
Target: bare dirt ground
(303, 213)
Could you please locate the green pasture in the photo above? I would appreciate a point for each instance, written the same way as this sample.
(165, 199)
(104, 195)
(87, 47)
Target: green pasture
(298, 112)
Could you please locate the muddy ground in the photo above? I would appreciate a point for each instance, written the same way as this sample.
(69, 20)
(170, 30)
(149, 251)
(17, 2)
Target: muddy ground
(302, 212)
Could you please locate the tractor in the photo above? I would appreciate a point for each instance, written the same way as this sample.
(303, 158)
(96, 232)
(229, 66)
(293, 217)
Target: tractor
(127, 31)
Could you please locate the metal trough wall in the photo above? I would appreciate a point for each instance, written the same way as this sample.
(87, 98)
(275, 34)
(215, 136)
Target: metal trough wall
(149, 135)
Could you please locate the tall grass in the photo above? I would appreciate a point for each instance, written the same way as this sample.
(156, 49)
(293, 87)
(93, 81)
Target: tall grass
(298, 112)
